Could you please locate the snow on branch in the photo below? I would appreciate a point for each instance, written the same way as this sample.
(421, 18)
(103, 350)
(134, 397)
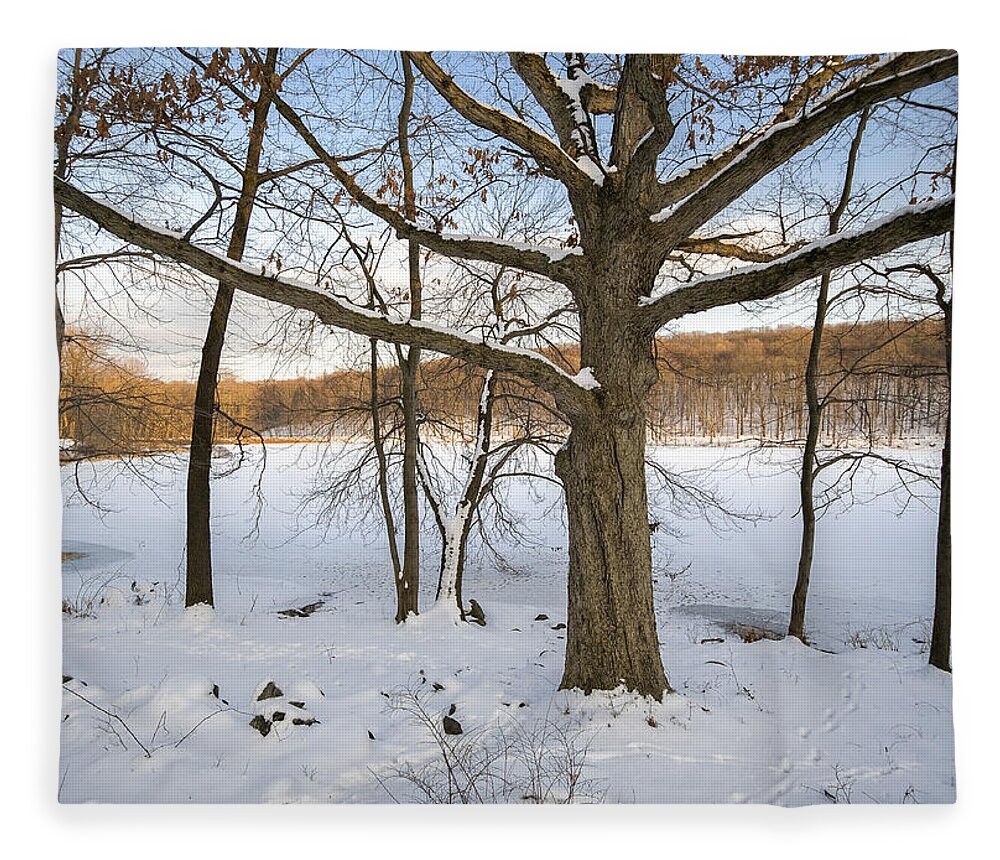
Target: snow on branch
(692, 198)
(563, 102)
(764, 280)
(569, 393)
(542, 148)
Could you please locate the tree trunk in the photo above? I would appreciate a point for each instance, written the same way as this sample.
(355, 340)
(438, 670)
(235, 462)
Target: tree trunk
(611, 624)
(815, 406)
(941, 633)
(199, 508)
(63, 137)
(383, 469)
(408, 585)
(807, 479)
(611, 637)
(456, 530)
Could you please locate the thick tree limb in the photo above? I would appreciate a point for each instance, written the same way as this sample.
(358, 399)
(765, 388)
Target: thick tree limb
(535, 368)
(539, 78)
(765, 280)
(554, 100)
(543, 149)
(549, 263)
(643, 125)
(598, 99)
(718, 248)
(701, 193)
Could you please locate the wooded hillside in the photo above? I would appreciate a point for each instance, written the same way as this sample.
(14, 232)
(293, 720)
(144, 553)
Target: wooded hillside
(886, 380)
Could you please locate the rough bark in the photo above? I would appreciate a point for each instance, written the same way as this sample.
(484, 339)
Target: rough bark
(611, 624)
(199, 502)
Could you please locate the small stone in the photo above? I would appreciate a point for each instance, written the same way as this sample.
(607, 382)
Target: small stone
(299, 705)
(476, 611)
(270, 691)
(277, 716)
(559, 626)
(452, 726)
(215, 690)
(301, 611)
(262, 724)
(67, 678)
(371, 737)
(299, 721)
(541, 617)
(437, 687)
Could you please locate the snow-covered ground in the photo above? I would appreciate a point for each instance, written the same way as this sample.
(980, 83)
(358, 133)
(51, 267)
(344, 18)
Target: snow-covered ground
(159, 702)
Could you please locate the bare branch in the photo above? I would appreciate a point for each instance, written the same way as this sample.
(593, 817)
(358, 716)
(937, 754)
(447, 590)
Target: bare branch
(717, 248)
(331, 311)
(555, 101)
(552, 263)
(765, 280)
(691, 199)
(544, 150)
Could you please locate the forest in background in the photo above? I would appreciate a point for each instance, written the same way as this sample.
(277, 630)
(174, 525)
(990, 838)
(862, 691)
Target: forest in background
(886, 380)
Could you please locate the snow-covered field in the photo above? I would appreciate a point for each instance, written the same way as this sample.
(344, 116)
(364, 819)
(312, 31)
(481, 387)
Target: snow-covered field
(159, 701)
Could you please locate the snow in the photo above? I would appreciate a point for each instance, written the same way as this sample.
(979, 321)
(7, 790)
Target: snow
(586, 379)
(591, 168)
(761, 722)
(572, 88)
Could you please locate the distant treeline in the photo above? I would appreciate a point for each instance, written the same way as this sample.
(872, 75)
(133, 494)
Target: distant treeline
(884, 380)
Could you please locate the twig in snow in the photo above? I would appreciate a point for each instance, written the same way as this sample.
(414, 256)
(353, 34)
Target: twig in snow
(113, 716)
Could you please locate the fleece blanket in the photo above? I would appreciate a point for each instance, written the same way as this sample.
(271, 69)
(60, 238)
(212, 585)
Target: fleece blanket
(448, 427)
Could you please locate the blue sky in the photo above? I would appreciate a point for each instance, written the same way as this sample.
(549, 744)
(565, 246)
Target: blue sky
(168, 327)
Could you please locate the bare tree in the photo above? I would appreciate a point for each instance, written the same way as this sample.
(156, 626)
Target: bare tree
(199, 499)
(628, 222)
(940, 650)
(408, 583)
(810, 465)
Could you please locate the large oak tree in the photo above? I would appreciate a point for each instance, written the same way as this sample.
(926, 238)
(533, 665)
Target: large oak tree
(630, 216)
